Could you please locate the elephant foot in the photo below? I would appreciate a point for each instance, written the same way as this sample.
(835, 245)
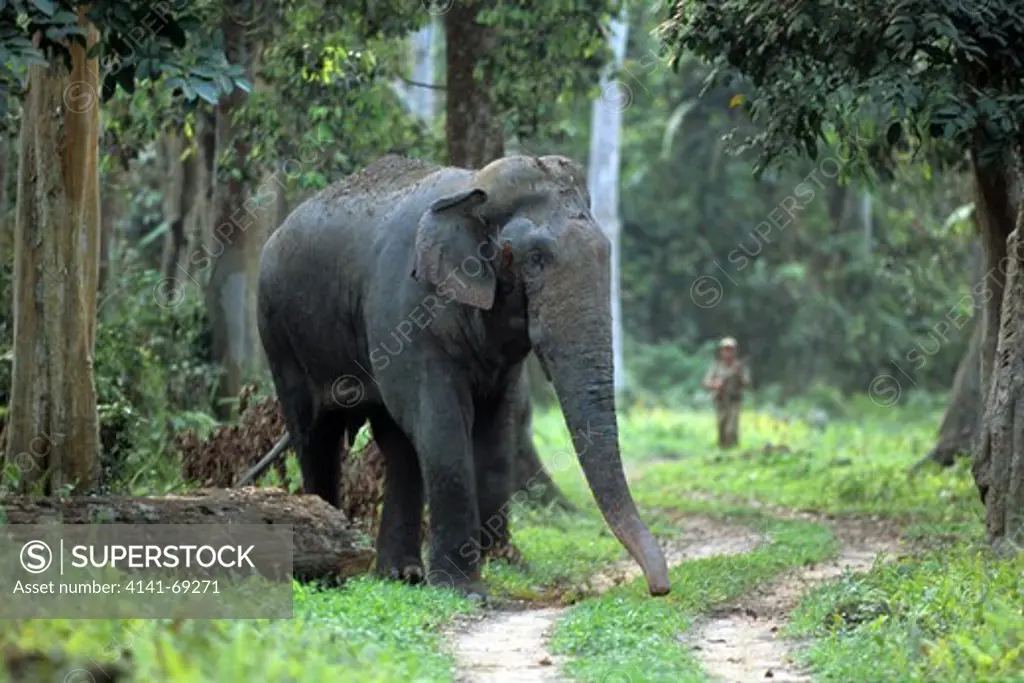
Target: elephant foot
(408, 572)
(474, 589)
(507, 552)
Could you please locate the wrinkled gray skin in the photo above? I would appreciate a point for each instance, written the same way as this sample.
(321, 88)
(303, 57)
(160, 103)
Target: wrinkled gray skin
(409, 295)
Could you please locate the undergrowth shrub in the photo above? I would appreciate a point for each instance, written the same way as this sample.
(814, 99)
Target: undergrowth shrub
(954, 615)
(153, 376)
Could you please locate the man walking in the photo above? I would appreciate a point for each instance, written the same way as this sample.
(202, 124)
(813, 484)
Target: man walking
(727, 377)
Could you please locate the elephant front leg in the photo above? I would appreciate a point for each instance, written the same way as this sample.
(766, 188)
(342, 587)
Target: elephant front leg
(455, 557)
(399, 534)
(429, 401)
(445, 447)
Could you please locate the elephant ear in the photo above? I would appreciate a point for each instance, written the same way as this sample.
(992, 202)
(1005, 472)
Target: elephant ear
(449, 254)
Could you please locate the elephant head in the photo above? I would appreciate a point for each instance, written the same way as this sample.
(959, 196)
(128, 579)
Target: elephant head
(529, 219)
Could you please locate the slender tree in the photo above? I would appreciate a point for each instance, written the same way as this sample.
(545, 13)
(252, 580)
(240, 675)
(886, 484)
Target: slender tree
(603, 173)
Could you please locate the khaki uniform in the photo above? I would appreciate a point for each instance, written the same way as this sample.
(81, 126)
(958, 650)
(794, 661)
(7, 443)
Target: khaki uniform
(729, 399)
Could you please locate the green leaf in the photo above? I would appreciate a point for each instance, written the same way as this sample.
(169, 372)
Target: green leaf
(205, 72)
(65, 17)
(323, 133)
(59, 34)
(175, 83)
(45, 6)
(207, 91)
(243, 84)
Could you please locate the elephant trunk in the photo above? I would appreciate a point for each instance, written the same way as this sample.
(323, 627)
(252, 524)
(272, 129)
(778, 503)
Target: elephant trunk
(585, 388)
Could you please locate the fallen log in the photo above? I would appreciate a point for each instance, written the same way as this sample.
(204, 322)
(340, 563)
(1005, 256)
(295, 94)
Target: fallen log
(327, 545)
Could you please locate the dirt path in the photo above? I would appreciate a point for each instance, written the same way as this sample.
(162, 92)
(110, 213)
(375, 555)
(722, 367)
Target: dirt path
(505, 645)
(740, 643)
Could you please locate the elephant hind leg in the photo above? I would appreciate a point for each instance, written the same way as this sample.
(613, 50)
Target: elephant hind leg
(312, 433)
(399, 537)
(319, 451)
(293, 395)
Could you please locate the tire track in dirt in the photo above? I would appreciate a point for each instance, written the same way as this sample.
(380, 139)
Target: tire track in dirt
(511, 646)
(740, 642)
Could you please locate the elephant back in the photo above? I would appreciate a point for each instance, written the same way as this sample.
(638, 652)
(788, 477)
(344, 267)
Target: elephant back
(386, 176)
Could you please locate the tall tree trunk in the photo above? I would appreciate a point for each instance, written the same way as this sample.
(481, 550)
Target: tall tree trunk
(179, 191)
(264, 208)
(5, 158)
(267, 206)
(867, 222)
(961, 423)
(475, 137)
(603, 180)
(999, 464)
(999, 467)
(6, 220)
(53, 429)
(474, 130)
(227, 292)
(200, 221)
(995, 218)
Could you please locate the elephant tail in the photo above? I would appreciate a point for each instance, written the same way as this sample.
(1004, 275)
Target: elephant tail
(264, 464)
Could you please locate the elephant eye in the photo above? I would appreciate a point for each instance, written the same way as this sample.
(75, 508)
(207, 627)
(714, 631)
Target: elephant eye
(535, 262)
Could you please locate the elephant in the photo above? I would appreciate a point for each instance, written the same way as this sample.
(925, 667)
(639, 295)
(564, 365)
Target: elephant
(408, 295)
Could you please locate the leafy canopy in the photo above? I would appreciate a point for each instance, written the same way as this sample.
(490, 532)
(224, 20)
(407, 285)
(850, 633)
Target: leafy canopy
(887, 76)
(545, 54)
(139, 40)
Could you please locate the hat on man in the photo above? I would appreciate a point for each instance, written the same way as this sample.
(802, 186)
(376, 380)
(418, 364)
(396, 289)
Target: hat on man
(727, 342)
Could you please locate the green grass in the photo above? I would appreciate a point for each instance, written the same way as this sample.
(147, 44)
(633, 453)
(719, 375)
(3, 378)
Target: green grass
(858, 466)
(368, 631)
(562, 551)
(954, 615)
(626, 635)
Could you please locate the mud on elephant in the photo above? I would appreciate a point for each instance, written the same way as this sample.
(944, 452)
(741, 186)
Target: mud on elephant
(408, 296)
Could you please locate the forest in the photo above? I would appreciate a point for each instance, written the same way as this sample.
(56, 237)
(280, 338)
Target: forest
(199, 206)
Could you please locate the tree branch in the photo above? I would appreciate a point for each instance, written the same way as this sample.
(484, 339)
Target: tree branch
(417, 84)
